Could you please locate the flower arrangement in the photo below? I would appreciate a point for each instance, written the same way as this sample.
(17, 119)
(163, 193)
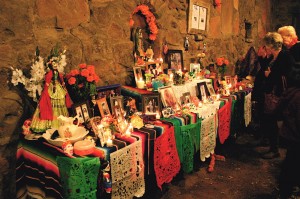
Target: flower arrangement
(81, 83)
(150, 19)
(34, 81)
(179, 77)
(164, 78)
(222, 63)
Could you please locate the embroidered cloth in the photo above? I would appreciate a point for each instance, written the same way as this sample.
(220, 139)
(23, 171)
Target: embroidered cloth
(166, 159)
(224, 115)
(79, 176)
(247, 109)
(207, 137)
(127, 172)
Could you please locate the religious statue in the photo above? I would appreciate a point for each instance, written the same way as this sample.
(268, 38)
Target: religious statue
(139, 44)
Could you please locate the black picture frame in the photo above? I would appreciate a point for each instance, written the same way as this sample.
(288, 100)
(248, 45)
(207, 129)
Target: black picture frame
(175, 59)
(82, 111)
(151, 104)
(203, 90)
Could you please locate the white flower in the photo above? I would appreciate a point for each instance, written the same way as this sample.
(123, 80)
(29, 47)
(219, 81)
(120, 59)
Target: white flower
(34, 85)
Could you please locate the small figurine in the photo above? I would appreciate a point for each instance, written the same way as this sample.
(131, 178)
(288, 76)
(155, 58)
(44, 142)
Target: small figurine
(68, 148)
(186, 43)
(26, 127)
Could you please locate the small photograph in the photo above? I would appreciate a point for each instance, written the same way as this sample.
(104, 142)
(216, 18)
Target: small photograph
(185, 98)
(79, 114)
(168, 97)
(151, 104)
(103, 107)
(81, 110)
(203, 90)
(195, 68)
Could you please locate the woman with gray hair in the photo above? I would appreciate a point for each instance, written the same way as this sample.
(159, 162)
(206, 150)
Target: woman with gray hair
(277, 68)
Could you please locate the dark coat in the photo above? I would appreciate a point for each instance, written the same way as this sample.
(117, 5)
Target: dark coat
(289, 108)
(280, 67)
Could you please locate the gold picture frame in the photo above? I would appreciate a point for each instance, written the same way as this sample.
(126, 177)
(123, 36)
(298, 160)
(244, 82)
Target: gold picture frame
(198, 17)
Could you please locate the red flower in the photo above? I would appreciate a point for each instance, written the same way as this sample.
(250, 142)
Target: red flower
(90, 78)
(72, 81)
(82, 66)
(84, 73)
(150, 19)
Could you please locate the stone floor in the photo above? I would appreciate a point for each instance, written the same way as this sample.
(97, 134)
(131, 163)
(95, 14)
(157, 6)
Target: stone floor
(243, 175)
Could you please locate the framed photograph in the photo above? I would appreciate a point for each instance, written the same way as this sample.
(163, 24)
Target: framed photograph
(103, 107)
(119, 113)
(138, 75)
(175, 59)
(210, 88)
(82, 111)
(116, 100)
(195, 67)
(168, 97)
(185, 98)
(151, 104)
(203, 90)
(198, 16)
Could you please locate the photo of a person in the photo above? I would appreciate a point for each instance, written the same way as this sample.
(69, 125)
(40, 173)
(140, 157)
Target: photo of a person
(169, 98)
(79, 114)
(85, 112)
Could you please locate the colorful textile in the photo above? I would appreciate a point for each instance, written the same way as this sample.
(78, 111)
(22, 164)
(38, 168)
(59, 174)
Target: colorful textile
(207, 137)
(37, 173)
(224, 115)
(166, 160)
(78, 176)
(191, 138)
(127, 171)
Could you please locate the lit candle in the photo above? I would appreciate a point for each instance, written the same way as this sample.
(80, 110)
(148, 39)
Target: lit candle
(157, 115)
(200, 105)
(171, 77)
(218, 96)
(140, 83)
(129, 130)
(109, 142)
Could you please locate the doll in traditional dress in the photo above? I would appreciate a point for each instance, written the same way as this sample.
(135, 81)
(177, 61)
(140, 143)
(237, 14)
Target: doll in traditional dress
(54, 101)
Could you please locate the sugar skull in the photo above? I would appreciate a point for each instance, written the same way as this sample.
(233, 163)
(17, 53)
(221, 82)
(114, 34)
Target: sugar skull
(26, 127)
(67, 147)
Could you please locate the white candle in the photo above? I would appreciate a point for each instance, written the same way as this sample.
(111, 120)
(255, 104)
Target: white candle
(109, 142)
(140, 84)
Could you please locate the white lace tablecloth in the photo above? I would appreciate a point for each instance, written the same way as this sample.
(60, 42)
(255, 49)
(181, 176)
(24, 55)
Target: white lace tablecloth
(127, 172)
(188, 87)
(247, 109)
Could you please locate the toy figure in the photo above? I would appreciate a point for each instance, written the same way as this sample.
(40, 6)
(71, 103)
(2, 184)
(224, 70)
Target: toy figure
(68, 148)
(54, 101)
(26, 127)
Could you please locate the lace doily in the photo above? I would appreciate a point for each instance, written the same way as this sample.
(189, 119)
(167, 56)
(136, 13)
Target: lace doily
(207, 137)
(224, 114)
(179, 90)
(247, 109)
(79, 176)
(207, 110)
(166, 160)
(127, 172)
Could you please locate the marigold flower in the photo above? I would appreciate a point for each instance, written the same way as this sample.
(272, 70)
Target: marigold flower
(82, 66)
(90, 78)
(72, 80)
(84, 73)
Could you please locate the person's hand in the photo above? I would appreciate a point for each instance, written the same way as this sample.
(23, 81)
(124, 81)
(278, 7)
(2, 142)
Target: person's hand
(267, 72)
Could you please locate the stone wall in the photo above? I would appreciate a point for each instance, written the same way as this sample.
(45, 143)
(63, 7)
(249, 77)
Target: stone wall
(97, 32)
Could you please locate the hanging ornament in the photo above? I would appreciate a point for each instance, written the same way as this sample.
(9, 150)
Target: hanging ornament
(186, 43)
